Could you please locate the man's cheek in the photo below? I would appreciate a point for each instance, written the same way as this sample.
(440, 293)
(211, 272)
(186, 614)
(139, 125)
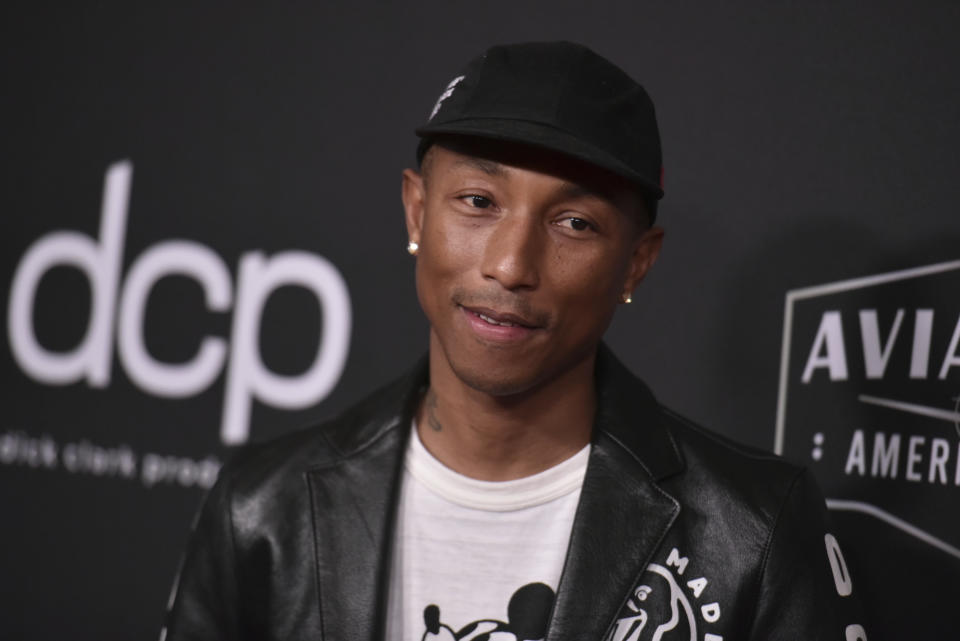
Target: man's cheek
(462, 243)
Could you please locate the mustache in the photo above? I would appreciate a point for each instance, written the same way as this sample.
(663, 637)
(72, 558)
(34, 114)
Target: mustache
(504, 303)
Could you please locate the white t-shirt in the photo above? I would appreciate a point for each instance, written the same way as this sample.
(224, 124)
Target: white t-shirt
(478, 557)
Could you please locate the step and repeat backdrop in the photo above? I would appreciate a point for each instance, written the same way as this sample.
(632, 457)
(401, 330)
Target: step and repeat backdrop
(202, 245)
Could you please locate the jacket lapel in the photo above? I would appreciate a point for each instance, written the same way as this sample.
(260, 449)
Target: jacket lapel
(623, 514)
(353, 499)
(352, 509)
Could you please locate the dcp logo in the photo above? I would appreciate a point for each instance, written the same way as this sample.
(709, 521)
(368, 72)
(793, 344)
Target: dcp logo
(120, 306)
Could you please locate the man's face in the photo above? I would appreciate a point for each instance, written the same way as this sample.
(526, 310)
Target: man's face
(524, 256)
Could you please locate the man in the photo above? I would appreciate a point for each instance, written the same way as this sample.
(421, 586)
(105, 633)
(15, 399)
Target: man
(520, 483)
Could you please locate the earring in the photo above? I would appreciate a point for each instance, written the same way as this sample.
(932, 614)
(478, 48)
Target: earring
(626, 299)
(412, 248)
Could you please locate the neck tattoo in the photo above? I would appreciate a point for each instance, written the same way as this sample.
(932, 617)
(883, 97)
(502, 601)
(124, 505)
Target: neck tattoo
(431, 405)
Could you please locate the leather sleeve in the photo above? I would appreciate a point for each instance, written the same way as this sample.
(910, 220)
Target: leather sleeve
(205, 595)
(806, 592)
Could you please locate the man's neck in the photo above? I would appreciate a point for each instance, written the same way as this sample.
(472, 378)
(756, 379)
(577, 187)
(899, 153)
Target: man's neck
(499, 438)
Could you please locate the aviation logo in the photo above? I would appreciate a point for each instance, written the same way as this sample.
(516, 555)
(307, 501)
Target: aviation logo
(870, 397)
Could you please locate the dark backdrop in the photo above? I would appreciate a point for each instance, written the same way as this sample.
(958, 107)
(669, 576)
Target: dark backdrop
(803, 145)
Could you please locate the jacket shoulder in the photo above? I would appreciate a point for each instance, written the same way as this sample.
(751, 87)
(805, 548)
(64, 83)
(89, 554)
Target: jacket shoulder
(690, 434)
(721, 473)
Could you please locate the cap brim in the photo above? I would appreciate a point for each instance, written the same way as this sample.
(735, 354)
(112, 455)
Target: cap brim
(538, 135)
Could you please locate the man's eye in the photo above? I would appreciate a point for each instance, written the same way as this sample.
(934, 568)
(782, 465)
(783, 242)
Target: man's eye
(480, 202)
(576, 224)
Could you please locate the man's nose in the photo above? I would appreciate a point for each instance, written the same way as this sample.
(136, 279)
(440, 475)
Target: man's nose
(513, 251)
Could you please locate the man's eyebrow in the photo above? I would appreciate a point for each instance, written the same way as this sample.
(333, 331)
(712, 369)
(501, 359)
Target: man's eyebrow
(576, 190)
(488, 167)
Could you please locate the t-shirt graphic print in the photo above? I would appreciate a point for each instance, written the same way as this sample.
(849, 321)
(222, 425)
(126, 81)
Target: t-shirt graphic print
(527, 617)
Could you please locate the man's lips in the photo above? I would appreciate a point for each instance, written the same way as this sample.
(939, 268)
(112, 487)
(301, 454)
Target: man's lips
(501, 319)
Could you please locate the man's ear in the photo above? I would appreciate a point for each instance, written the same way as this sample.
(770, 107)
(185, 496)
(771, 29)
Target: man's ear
(413, 195)
(646, 248)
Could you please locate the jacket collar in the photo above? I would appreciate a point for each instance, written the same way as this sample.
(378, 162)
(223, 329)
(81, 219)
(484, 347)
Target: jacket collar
(621, 518)
(628, 413)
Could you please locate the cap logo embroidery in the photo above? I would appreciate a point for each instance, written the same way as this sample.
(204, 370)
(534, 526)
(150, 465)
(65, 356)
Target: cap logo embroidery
(446, 94)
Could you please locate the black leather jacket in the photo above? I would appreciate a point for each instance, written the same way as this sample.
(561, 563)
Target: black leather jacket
(679, 534)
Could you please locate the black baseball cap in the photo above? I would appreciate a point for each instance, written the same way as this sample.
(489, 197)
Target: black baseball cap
(559, 96)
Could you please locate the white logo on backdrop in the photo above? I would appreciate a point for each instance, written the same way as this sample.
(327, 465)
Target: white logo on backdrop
(247, 377)
(917, 458)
